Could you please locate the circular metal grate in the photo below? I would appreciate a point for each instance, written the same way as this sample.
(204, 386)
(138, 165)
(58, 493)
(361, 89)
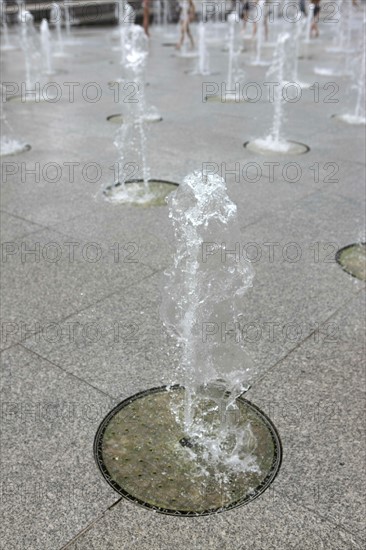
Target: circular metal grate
(352, 259)
(18, 148)
(118, 118)
(294, 148)
(143, 453)
(158, 190)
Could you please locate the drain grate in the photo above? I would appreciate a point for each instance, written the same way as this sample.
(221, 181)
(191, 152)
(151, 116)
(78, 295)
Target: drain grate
(145, 456)
(352, 259)
(285, 148)
(15, 150)
(135, 192)
(118, 118)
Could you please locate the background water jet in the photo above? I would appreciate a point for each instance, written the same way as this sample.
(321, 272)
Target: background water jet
(274, 142)
(130, 139)
(46, 49)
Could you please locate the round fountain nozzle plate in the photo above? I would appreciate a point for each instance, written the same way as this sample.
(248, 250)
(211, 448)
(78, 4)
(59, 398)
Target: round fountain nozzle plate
(118, 118)
(14, 149)
(352, 259)
(284, 147)
(133, 193)
(145, 455)
(350, 119)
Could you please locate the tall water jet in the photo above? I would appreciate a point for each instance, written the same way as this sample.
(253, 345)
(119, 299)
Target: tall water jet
(231, 23)
(308, 27)
(29, 42)
(293, 59)
(359, 115)
(126, 16)
(157, 13)
(309, 22)
(55, 20)
(230, 90)
(343, 38)
(67, 19)
(203, 61)
(46, 49)
(205, 286)
(7, 45)
(274, 143)
(167, 18)
(130, 139)
(197, 447)
(166, 14)
(121, 6)
(345, 65)
(258, 61)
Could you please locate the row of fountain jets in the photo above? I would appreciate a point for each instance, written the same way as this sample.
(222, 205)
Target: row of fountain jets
(201, 212)
(38, 59)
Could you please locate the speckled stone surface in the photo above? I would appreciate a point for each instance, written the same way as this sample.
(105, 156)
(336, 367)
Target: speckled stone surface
(98, 335)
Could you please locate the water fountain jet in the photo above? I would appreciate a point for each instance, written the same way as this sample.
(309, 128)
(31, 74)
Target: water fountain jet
(258, 61)
(55, 20)
(8, 144)
(274, 143)
(203, 61)
(358, 117)
(130, 139)
(46, 49)
(197, 447)
(7, 45)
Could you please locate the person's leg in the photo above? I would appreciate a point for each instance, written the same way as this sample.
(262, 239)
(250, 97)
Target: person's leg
(314, 26)
(190, 35)
(254, 29)
(146, 17)
(182, 34)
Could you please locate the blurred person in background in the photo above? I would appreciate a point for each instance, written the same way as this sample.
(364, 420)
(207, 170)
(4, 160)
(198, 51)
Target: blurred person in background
(259, 16)
(302, 6)
(314, 25)
(246, 10)
(186, 17)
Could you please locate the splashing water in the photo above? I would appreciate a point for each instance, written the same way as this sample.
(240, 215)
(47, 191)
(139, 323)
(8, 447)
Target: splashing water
(359, 115)
(274, 142)
(231, 22)
(158, 16)
(130, 139)
(7, 46)
(203, 62)
(309, 21)
(125, 15)
(343, 38)
(46, 48)
(67, 19)
(8, 145)
(292, 61)
(204, 289)
(55, 19)
(260, 34)
(30, 46)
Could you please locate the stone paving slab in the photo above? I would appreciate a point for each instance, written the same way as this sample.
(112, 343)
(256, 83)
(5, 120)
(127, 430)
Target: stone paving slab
(51, 488)
(311, 385)
(13, 227)
(51, 279)
(316, 398)
(271, 522)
